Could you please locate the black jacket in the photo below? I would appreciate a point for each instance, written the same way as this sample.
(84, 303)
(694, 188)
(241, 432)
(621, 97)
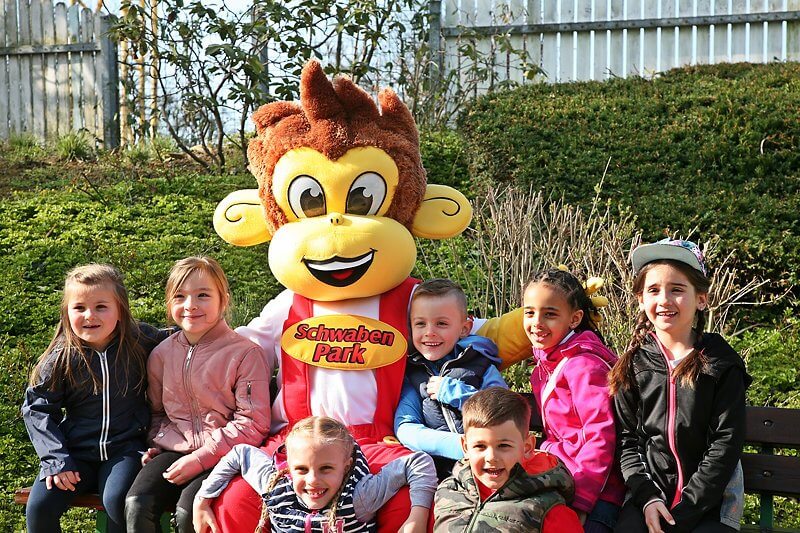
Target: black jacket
(663, 424)
(67, 423)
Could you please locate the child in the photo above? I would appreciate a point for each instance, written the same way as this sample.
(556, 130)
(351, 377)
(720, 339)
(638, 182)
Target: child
(502, 484)
(570, 383)
(679, 397)
(208, 391)
(325, 486)
(85, 408)
(446, 366)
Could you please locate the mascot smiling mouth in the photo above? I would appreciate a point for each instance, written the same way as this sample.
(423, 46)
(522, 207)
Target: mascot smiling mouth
(340, 271)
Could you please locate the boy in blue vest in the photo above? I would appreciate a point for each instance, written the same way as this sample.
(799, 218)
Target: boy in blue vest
(446, 366)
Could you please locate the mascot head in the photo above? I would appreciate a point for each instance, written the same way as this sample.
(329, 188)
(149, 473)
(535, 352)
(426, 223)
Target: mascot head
(341, 192)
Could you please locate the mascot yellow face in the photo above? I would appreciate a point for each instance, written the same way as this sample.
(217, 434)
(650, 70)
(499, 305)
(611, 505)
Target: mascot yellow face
(342, 192)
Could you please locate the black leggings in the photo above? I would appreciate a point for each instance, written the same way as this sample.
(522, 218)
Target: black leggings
(151, 494)
(631, 520)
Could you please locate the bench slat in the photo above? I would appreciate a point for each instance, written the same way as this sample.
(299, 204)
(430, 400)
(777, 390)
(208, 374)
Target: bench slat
(776, 474)
(774, 426)
(90, 501)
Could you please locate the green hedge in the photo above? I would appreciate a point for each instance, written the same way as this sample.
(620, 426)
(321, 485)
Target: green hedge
(713, 147)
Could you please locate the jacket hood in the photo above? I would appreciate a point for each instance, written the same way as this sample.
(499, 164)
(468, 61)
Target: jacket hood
(482, 345)
(721, 356)
(583, 342)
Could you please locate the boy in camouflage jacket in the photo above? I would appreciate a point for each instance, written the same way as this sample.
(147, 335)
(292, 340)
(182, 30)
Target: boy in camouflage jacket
(503, 484)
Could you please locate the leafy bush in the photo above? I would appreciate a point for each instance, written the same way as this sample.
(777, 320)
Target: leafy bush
(713, 148)
(445, 159)
(773, 359)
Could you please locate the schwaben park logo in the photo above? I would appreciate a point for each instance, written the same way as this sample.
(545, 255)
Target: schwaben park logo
(344, 342)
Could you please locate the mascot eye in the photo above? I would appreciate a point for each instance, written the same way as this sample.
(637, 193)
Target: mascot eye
(366, 195)
(306, 197)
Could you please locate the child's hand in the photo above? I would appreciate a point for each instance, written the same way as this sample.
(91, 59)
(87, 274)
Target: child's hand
(183, 470)
(417, 521)
(63, 480)
(434, 382)
(149, 454)
(653, 513)
(203, 518)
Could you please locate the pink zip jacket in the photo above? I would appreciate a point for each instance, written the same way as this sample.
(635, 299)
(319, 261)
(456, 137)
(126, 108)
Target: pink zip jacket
(208, 397)
(570, 382)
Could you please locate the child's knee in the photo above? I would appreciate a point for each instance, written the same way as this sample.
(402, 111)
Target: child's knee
(140, 507)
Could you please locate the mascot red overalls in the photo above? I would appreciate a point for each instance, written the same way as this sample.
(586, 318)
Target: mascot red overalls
(342, 193)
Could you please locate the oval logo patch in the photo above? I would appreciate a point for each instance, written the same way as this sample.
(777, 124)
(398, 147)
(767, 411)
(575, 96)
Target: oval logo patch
(344, 342)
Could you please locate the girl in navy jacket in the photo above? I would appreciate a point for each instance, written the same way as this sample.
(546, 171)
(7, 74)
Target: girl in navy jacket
(85, 408)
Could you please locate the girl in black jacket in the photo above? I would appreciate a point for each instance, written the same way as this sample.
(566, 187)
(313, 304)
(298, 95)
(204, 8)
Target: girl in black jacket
(85, 408)
(679, 398)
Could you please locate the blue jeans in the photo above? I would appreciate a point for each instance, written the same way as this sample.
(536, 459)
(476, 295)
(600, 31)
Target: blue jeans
(603, 518)
(732, 507)
(110, 479)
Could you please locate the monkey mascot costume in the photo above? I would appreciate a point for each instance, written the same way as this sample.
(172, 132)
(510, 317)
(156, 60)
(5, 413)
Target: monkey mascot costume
(341, 195)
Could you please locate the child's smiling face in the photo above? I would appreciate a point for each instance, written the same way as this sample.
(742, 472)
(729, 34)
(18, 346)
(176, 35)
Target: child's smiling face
(197, 305)
(437, 323)
(548, 316)
(670, 301)
(493, 451)
(317, 469)
(93, 313)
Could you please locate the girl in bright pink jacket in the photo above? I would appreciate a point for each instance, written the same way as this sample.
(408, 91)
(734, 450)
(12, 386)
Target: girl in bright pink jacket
(570, 383)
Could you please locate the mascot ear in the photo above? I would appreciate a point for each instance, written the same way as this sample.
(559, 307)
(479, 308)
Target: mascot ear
(444, 213)
(239, 219)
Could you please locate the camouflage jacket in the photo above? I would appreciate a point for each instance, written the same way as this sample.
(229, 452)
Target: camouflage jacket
(519, 506)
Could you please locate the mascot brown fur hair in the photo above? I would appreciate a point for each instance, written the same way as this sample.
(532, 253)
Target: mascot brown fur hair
(334, 118)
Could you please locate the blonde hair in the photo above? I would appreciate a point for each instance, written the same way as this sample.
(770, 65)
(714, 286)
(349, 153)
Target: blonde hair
(495, 406)
(324, 431)
(67, 346)
(184, 268)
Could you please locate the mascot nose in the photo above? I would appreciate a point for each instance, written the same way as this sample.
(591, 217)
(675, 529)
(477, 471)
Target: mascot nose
(335, 218)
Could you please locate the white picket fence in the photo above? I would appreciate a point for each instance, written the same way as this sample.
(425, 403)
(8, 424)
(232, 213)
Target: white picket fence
(58, 71)
(574, 40)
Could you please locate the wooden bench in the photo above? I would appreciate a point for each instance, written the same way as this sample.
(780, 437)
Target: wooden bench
(91, 501)
(766, 474)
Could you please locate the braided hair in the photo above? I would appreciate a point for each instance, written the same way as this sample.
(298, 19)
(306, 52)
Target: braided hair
(323, 431)
(573, 291)
(689, 369)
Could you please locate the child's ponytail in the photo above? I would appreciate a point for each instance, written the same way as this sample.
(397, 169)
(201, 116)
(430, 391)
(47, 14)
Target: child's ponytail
(263, 520)
(335, 501)
(621, 376)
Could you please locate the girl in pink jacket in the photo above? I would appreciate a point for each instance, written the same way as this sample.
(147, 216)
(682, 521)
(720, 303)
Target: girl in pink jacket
(570, 383)
(208, 389)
